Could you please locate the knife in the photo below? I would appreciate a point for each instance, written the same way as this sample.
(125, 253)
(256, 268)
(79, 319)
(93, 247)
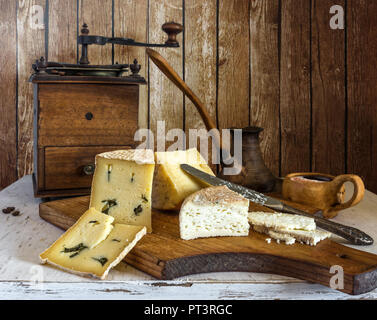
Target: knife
(351, 234)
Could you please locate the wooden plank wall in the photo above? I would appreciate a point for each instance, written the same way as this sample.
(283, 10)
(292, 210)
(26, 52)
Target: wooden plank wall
(328, 92)
(265, 77)
(8, 93)
(361, 49)
(270, 63)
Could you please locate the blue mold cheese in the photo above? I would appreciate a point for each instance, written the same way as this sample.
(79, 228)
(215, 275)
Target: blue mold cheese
(93, 245)
(122, 186)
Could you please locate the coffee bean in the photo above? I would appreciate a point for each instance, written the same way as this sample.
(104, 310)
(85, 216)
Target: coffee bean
(8, 210)
(16, 213)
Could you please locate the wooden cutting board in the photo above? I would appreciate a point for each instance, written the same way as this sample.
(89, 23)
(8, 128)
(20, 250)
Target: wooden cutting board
(164, 255)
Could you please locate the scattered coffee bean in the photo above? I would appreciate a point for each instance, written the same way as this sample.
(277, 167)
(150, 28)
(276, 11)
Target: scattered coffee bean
(8, 210)
(16, 213)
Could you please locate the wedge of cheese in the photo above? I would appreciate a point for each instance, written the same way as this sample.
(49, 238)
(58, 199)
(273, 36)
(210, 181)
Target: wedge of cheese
(214, 212)
(92, 246)
(122, 186)
(171, 185)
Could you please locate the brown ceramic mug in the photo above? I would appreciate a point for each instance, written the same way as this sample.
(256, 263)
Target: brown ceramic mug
(322, 191)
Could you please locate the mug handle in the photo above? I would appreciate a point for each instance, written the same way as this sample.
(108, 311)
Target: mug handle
(358, 193)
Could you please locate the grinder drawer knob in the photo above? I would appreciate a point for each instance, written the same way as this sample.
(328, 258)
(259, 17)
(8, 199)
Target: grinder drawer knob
(89, 169)
(89, 116)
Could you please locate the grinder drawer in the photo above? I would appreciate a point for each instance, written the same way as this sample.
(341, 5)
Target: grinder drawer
(87, 114)
(69, 167)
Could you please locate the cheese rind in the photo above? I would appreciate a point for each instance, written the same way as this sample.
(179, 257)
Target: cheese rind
(214, 212)
(140, 156)
(122, 186)
(74, 250)
(171, 185)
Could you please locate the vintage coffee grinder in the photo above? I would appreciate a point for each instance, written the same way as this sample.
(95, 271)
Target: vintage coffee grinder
(81, 110)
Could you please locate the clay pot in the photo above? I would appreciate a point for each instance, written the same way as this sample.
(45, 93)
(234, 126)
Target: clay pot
(254, 173)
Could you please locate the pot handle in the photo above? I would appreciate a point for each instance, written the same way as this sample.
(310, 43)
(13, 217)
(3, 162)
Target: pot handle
(358, 192)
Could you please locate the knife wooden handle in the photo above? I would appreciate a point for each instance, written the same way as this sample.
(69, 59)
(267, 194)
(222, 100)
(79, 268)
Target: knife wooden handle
(355, 236)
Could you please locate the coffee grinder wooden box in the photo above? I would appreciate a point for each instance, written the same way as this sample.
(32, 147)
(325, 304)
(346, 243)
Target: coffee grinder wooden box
(76, 118)
(81, 110)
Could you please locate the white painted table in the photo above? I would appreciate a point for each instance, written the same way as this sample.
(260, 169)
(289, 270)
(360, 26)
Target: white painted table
(22, 277)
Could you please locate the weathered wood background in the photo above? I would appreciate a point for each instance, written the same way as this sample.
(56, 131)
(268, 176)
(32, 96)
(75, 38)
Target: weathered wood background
(271, 63)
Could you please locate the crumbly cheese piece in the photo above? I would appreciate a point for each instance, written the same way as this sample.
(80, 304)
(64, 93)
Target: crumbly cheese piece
(171, 184)
(122, 186)
(308, 237)
(275, 235)
(92, 246)
(290, 236)
(214, 212)
(278, 221)
(282, 237)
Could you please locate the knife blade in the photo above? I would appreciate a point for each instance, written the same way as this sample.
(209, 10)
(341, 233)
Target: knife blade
(355, 236)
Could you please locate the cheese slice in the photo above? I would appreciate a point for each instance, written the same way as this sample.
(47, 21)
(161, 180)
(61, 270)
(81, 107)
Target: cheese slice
(287, 228)
(214, 212)
(171, 185)
(92, 246)
(308, 237)
(122, 186)
(290, 236)
(278, 221)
